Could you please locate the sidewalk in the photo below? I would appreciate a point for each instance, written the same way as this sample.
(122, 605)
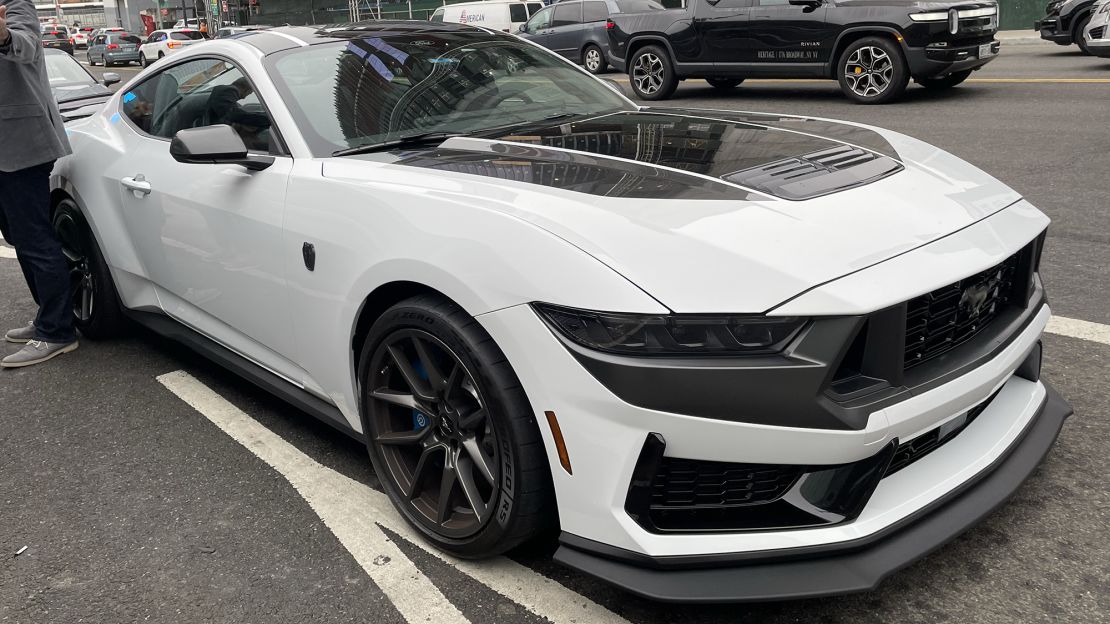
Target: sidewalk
(1020, 37)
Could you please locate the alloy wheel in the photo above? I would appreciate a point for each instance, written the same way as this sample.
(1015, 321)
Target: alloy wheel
(431, 429)
(868, 71)
(82, 282)
(593, 59)
(648, 73)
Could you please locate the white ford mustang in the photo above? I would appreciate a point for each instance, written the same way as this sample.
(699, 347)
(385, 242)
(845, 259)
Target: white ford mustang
(729, 356)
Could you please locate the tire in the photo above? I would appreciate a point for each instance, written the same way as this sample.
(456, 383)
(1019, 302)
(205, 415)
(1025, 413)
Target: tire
(161, 55)
(88, 57)
(426, 428)
(651, 73)
(1077, 37)
(945, 82)
(724, 84)
(96, 309)
(142, 60)
(593, 59)
(872, 70)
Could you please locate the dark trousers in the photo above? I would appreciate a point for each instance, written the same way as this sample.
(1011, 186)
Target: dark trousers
(25, 223)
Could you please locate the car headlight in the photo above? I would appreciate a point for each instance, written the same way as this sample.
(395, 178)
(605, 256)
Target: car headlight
(672, 334)
(935, 16)
(1105, 8)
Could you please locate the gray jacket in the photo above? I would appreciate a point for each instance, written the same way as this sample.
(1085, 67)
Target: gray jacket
(31, 130)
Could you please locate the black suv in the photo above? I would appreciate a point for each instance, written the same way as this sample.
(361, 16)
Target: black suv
(1065, 21)
(873, 47)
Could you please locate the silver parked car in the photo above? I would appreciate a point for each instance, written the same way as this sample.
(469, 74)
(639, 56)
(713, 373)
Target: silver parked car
(114, 48)
(576, 28)
(1097, 32)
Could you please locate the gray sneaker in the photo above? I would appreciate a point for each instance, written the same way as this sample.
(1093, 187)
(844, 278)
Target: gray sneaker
(22, 334)
(36, 352)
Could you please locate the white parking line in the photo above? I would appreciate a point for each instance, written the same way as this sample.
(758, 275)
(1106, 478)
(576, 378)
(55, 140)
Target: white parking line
(1075, 328)
(354, 512)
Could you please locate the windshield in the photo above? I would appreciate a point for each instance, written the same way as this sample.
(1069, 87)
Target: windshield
(62, 71)
(186, 35)
(377, 89)
(56, 34)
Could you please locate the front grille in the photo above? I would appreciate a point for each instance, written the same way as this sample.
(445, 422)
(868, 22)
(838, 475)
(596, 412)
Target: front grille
(1097, 33)
(913, 450)
(940, 321)
(687, 483)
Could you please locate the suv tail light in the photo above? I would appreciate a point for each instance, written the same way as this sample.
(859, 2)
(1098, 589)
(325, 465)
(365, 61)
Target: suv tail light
(609, 25)
(112, 46)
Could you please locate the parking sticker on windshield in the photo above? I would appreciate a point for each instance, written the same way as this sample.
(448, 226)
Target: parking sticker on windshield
(387, 49)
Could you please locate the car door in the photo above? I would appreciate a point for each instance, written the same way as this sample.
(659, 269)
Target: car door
(538, 28)
(209, 235)
(96, 49)
(782, 33)
(566, 29)
(720, 26)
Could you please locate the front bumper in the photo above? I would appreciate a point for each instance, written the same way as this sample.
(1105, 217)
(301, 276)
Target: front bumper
(848, 567)
(1050, 30)
(931, 61)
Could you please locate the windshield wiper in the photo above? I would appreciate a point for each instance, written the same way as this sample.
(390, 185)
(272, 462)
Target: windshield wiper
(422, 138)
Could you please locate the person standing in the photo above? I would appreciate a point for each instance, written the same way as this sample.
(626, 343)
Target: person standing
(32, 137)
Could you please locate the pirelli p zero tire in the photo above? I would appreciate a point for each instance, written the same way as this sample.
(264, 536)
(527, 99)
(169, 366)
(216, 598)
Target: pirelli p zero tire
(96, 310)
(946, 82)
(450, 431)
(651, 73)
(872, 70)
(593, 59)
(1078, 38)
(724, 84)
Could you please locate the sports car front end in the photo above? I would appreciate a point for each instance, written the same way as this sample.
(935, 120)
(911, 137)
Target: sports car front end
(839, 382)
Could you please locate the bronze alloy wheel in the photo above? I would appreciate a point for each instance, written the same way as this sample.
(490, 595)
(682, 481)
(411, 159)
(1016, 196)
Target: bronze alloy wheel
(431, 428)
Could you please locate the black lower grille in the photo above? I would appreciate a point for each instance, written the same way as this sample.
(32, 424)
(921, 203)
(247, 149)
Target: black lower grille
(1097, 33)
(939, 321)
(688, 483)
(910, 451)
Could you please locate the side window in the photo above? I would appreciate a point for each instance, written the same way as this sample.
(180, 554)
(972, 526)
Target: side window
(99, 40)
(437, 16)
(773, 2)
(540, 21)
(594, 12)
(204, 92)
(734, 4)
(518, 13)
(567, 14)
(533, 7)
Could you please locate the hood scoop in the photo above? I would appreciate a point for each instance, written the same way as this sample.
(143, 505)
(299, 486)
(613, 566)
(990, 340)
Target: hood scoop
(817, 173)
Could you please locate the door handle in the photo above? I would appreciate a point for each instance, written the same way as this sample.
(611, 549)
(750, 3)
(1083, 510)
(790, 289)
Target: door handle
(137, 185)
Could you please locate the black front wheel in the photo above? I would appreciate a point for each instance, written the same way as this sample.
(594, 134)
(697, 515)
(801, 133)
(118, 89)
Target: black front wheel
(96, 310)
(944, 82)
(724, 84)
(652, 74)
(1078, 36)
(872, 70)
(450, 432)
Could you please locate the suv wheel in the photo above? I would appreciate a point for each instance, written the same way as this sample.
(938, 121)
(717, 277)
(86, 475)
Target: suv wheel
(1078, 36)
(872, 71)
(450, 431)
(944, 82)
(142, 60)
(652, 74)
(594, 60)
(724, 84)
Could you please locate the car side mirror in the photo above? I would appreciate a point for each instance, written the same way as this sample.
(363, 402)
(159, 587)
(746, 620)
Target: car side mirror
(110, 79)
(523, 28)
(215, 145)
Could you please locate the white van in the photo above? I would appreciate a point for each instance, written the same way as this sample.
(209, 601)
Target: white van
(506, 15)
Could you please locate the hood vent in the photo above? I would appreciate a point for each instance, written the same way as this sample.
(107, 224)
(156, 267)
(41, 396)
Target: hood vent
(816, 173)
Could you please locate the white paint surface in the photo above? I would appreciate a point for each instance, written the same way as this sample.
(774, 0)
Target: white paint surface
(1075, 328)
(354, 512)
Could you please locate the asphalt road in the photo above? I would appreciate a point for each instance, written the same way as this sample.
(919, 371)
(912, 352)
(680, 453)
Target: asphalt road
(140, 497)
